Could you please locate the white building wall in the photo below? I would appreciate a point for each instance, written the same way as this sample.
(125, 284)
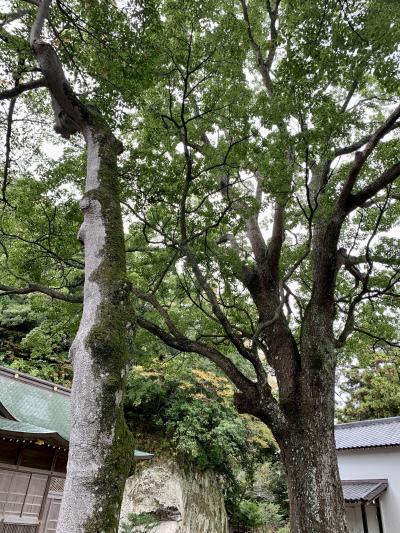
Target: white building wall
(376, 463)
(354, 519)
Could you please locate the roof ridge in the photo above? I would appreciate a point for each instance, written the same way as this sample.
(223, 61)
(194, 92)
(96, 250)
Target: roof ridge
(367, 481)
(34, 381)
(372, 422)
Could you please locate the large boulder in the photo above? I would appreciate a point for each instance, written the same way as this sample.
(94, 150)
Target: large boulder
(175, 499)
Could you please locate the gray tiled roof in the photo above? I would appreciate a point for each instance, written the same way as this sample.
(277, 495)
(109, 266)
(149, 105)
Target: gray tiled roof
(364, 490)
(368, 433)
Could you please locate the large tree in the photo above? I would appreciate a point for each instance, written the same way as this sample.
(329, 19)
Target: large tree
(259, 184)
(273, 137)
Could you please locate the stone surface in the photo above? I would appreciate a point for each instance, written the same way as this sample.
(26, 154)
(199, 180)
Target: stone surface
(182, 500)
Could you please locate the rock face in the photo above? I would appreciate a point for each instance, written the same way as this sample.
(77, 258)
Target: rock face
(179, 500)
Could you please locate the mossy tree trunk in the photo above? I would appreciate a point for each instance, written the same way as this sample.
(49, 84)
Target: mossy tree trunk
(101, 447)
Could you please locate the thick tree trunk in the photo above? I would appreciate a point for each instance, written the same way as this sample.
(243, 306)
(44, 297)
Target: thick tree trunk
(315, 494)
(309, 457)
(101, 447)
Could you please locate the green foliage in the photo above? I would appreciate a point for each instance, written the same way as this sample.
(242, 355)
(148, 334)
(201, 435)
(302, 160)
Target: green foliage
(269, 485)
(139, 522)
(185, 407)
(249, 513)
(192, 409)
(177, 81)
(253, 514)
(372, 389)
(35, 335)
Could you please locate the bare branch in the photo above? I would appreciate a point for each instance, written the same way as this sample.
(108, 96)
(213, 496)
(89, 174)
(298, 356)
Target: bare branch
(349, 96)
(7, 290)
(69, 112)
(8, 148)
(37, 27)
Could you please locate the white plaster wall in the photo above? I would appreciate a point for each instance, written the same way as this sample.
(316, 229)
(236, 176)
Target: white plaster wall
(354, 519)
(377, 463)
(373, 525)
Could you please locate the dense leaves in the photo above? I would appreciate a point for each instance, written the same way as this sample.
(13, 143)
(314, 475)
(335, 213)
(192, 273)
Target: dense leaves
(191, 410)
(179, 408)
(372, 388)
(35, 337)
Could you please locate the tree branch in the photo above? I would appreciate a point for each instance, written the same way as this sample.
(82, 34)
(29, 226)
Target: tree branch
(152, 300)
(361, 197)
(361, 157)
(344, 150)
(10, 17)
(7, 290)
(352, 260)
(37, 26)
(23, 87)
(185, 344)
(262, 66)
(270, 411)
(377, 337)
(7, 162)
(254, 234)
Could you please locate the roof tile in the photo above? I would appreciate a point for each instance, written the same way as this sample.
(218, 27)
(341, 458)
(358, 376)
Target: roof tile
(368, 433)
(364, 490)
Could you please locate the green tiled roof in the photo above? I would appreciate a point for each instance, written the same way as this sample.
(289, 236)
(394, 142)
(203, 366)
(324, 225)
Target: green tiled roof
(143, 456)
(31, 407)
(36, 406)
(24, 430)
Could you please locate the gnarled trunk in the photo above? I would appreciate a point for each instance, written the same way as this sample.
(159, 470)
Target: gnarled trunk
(101, 448)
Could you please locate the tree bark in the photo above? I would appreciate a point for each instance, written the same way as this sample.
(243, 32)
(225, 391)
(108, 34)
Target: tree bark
(314, 488)
(309, 456)
(101, 447)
